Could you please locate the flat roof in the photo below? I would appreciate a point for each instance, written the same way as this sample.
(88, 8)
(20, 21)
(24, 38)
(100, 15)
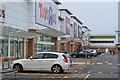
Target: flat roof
(60, 18)
(102, 35)
(68, 11)
(57, 2)
(77, 19)
(86, 27)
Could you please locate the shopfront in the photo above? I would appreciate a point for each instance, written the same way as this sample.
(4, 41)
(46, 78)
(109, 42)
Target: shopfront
(13, 42)
(46, 17)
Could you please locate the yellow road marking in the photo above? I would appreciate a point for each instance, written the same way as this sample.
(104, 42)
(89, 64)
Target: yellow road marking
(86, 76)
(65, 77)
(81, 68)
(93, 64)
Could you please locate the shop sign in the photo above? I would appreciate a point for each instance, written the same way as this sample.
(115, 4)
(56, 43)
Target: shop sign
(79, 32)
(119, 38)
(67, 25)
(2, 14)
(46, 13)
(75, 30)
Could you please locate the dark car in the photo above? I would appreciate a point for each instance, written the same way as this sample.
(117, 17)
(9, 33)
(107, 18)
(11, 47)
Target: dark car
(85, 54)
(99, 51)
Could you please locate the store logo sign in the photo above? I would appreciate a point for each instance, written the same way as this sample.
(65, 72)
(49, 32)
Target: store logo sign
(47, 14)
(2, 13)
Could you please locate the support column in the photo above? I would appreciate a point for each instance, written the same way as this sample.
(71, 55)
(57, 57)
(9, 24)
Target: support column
(9, 51)
(31, 44)
(75, 46)
(72, 48)
(55, 40)
(62, 47)
(14, 49)
(69, 47)
(24, 47)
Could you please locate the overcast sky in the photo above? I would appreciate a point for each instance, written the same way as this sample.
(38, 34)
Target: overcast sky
(100, 17)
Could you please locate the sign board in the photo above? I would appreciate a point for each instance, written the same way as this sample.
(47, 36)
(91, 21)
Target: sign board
(75, 30)
(2, 14)
(119, 38)
(67, 25)
(46, 13)
(79, 32)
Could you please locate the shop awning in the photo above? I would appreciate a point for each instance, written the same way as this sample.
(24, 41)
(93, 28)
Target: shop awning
(69, 38)
(14, 32)
(50, 32)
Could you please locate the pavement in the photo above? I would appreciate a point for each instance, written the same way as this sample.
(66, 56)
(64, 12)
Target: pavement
(102, 67)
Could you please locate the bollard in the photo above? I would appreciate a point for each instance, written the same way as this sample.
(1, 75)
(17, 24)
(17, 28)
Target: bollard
(3, 63)
(8, 62)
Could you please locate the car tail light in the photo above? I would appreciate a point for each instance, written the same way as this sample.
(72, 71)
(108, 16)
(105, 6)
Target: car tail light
(65, 60)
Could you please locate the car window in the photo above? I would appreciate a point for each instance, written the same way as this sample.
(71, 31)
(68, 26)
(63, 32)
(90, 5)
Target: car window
(48, 55)
(38, 56)
(65, 56)
(81, 52)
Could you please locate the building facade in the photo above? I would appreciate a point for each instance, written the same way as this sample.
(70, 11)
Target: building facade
(71, 26)
(118, 41)
(103, 42)
(29, 27)
(85, 37)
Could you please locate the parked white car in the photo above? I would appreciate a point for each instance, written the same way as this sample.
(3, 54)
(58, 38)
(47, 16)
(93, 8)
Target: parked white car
(50, 61)
(94, 52)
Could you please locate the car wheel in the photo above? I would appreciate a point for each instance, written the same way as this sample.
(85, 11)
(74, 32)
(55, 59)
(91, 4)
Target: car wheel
(74, 56)
(57, 69)
(18, 67)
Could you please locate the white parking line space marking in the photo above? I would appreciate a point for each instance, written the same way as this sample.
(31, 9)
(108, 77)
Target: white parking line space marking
(100, 72)
(106, 61)
(111, 72)
(78, 63)
(118, 64)
(99, 63)
(110, 63)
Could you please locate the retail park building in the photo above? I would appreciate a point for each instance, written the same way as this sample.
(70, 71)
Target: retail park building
(31, 27)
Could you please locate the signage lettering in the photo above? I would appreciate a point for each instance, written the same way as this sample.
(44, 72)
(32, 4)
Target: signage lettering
(47, 14)
(2, 13)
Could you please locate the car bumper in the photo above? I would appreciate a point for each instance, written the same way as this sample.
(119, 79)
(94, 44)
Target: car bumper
(66, 66)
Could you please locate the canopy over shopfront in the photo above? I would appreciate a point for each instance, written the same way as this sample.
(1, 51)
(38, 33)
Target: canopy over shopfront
(69, 38)
(9, 32)
(14, 32)
(50, 32)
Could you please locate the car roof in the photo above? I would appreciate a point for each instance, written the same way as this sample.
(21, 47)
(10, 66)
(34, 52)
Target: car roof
(60, 51)
(50, 52)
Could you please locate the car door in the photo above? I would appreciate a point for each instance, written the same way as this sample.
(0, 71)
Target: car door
(35, 62)
(48, 60)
